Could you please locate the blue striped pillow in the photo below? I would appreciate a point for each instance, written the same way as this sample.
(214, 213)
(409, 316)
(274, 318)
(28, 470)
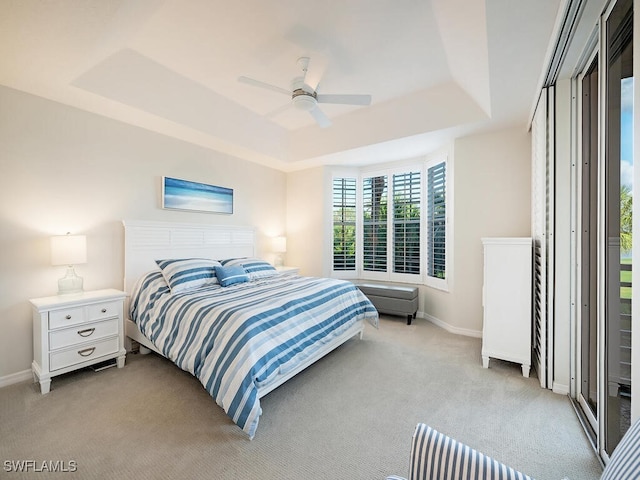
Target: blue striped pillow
(254, 267)
(232, 274)
(188, 273)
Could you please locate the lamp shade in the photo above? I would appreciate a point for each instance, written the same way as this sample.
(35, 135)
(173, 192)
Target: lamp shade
(68, 250)
(279, 244)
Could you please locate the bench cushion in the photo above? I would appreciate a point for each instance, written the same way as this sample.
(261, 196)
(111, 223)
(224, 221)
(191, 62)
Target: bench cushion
(392, 299)
(393, 291)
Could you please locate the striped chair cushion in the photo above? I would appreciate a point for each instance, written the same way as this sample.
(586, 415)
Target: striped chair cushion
(625, 461)
(436, 456)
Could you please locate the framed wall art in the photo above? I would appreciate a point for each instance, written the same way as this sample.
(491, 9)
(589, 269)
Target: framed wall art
(194, 196)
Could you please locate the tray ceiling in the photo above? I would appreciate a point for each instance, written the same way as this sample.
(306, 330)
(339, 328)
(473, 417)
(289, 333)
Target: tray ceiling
(435, 69)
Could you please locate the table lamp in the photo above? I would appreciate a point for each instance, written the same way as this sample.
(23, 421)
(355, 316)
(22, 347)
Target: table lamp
(279, 246)
(69, 250)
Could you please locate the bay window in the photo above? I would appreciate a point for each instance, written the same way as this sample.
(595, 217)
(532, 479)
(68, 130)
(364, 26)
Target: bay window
(392, 224)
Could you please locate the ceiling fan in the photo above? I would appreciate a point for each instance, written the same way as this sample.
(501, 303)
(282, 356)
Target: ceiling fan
(304, 96)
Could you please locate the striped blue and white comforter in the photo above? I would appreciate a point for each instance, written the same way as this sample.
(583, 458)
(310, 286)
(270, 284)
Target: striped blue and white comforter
(236, 339)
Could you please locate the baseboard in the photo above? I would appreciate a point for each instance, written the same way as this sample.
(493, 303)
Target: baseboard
(450, 328)
(560, 388)
(15, 378)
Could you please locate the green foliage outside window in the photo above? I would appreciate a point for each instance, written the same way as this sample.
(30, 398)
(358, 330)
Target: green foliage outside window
(626, 219)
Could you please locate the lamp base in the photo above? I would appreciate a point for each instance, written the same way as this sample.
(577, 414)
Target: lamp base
(70, 283)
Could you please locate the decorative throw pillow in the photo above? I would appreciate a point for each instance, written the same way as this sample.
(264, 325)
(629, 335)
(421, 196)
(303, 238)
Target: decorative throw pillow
(254, 267)
(230, 275)
(184, 274)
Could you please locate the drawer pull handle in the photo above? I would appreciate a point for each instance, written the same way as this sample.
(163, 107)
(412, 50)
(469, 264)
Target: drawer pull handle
(86, 332)
(86, 352)
(104, 310)
(68, 317)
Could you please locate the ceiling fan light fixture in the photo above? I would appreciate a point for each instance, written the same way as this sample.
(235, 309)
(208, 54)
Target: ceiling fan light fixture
(303, 100)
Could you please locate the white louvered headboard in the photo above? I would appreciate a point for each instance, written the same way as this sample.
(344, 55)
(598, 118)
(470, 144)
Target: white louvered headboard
(146, 241)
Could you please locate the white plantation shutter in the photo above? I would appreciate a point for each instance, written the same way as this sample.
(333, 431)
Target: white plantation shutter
(406, 223)
(436, 220)
(542, 163)
(374, 224)
(344, 224)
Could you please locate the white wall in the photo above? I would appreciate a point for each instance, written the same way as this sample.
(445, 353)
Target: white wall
(492, 189)
(62, 170)
(306, 208)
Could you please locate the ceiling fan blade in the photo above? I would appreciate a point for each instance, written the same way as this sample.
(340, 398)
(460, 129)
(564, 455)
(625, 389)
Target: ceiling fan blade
(345, 99)
(258, 83)
(321, 119)
(315, 71)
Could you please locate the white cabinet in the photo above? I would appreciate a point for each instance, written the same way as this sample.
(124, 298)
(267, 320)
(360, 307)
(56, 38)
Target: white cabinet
(506, 298)
(75, 331)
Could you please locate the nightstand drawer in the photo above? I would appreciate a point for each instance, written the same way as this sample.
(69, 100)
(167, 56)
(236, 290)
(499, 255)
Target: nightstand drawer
(66, 317)
(83, 333)
(82, 353)
(103, 310)
(74, 316)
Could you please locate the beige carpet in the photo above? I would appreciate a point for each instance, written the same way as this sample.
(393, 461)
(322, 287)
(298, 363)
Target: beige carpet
(350, 416)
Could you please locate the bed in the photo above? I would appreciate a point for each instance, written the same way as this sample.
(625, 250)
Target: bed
(242, 332)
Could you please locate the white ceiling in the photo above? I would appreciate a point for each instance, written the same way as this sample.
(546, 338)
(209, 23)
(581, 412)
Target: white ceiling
(435, 69)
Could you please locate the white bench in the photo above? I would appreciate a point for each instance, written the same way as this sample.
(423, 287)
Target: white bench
(392, 299)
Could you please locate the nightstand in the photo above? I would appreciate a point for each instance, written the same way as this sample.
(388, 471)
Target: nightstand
(75, 331)
(288, 270)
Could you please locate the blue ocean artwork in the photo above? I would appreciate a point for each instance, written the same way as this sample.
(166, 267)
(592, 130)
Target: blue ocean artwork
(186, 195)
